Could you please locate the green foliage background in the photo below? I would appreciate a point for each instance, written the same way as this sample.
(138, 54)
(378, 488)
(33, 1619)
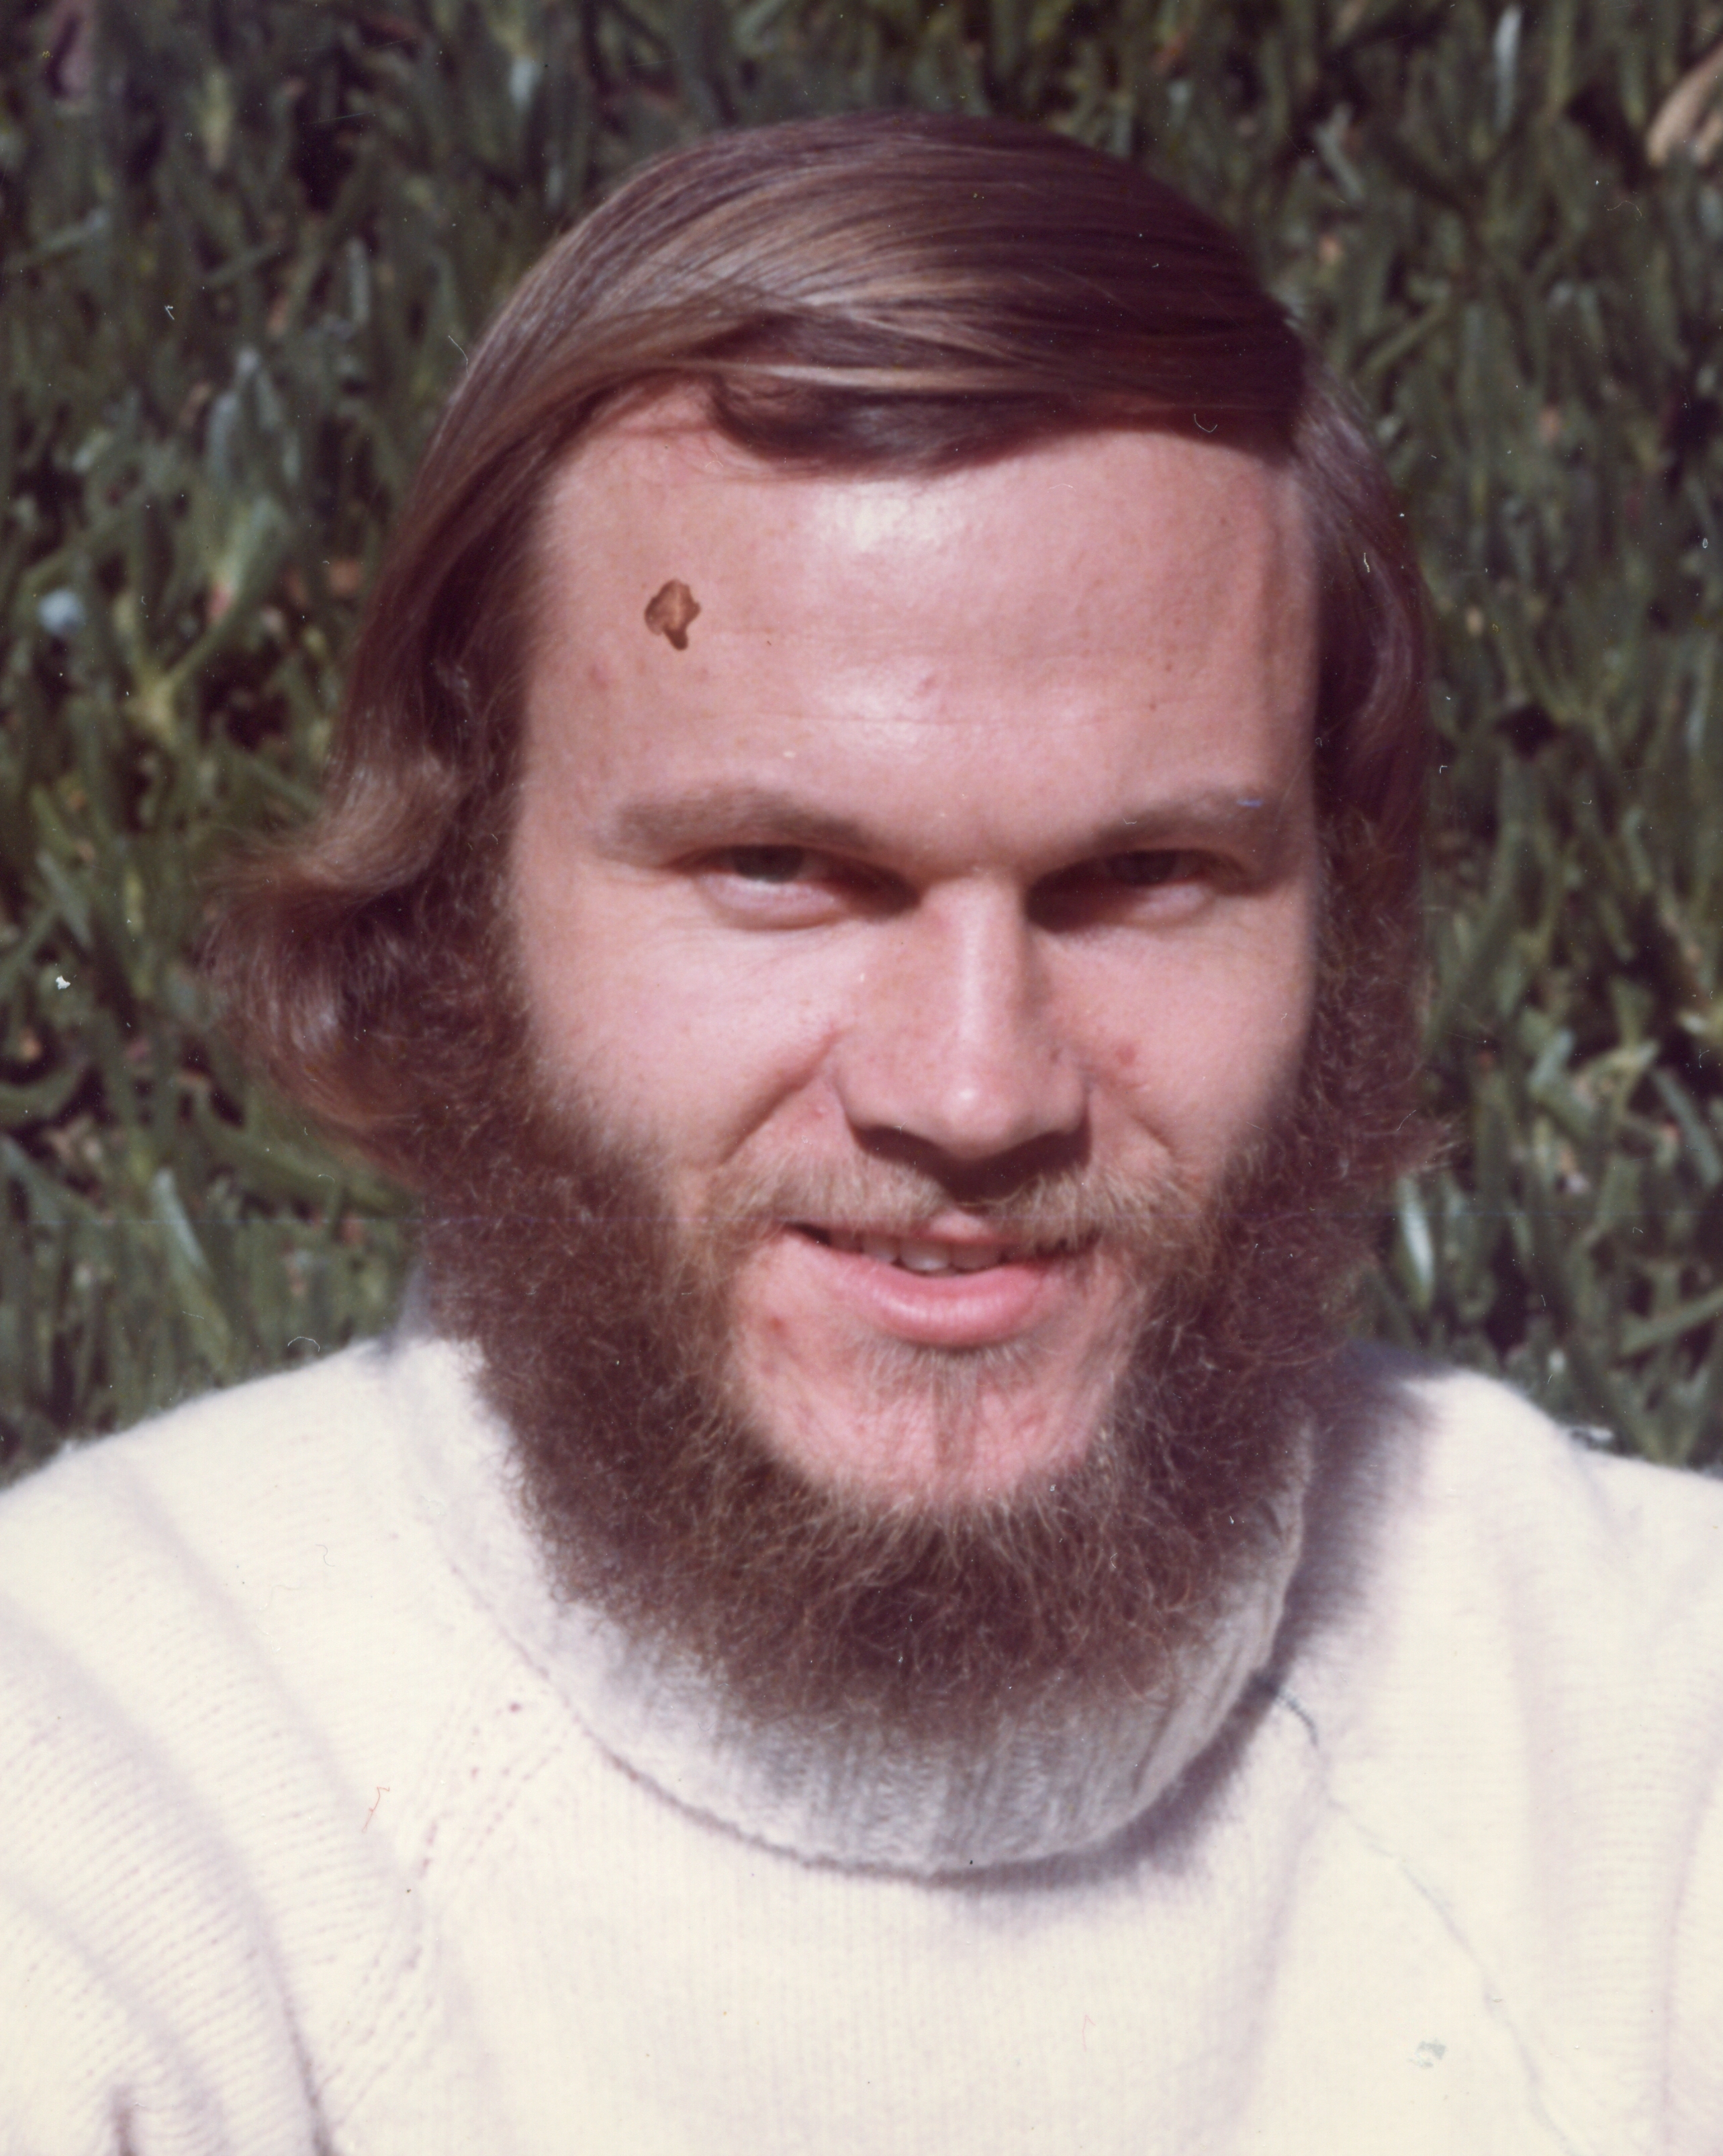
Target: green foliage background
(244, 245)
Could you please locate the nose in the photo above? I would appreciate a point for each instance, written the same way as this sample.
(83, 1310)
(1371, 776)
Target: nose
(954, 1056)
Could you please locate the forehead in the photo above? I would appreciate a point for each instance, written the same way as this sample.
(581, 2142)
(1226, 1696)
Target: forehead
(1110, 588)
(1094, 509)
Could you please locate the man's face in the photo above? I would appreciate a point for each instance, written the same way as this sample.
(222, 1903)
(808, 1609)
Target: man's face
(964, 853)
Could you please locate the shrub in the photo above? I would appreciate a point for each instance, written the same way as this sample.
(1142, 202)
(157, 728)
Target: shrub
(243, 248)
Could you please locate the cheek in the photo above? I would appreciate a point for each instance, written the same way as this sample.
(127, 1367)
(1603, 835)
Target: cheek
(1204, 1053)
(669, 1042)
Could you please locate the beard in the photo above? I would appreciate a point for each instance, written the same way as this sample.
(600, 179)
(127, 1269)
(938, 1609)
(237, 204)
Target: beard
(609, 1342)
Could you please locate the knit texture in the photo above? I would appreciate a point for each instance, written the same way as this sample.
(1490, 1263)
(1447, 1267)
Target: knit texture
(309, 1844)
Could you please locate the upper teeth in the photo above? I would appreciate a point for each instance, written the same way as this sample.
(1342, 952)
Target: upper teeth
(923, 1255)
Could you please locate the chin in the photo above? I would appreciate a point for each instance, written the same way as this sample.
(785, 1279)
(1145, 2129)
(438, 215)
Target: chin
(932, 1431)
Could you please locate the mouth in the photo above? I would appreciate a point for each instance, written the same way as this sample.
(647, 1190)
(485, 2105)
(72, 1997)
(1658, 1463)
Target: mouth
(955, 1282)
(930, 1256)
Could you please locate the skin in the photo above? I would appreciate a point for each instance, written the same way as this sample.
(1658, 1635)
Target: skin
(971, 832)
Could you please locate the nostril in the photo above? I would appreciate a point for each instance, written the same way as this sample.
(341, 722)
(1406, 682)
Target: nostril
(991, 1179)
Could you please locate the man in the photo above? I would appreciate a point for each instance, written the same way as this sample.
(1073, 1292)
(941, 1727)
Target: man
(871, 880)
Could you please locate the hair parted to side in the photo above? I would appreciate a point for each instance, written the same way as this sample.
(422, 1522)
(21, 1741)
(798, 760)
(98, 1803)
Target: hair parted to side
(874, 293)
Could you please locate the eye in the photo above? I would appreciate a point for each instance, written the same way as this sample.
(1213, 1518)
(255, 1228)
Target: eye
(784, 886)
(766, 864)
(1150, 884)
(1142, 871)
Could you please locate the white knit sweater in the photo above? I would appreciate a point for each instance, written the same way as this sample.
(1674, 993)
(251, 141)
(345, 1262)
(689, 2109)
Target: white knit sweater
(306, 1843)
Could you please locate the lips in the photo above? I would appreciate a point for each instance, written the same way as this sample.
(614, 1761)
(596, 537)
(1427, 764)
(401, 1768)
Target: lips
(929, 1255)
(958, 1291)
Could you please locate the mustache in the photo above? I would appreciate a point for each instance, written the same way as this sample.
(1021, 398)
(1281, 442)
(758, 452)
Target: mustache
(1076, 1208)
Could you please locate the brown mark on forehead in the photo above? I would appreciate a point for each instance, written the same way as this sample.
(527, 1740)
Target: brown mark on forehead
(669, 611)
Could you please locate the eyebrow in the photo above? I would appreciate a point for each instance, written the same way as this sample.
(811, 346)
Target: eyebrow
(680, 824)
(1254, 824)
(1251, 823)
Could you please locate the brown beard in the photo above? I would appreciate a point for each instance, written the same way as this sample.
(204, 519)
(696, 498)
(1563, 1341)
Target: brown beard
(607, 1343)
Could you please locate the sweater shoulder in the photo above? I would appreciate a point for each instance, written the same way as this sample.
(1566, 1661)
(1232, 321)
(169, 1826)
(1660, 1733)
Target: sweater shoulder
(1623, 1548)
(206, 1457)
(169, 1540)
(243, 1698)
(1507, 1663)
(266, 1541)
(1497, 1617)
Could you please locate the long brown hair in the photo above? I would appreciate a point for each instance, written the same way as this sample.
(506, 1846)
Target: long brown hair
(876, 292)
